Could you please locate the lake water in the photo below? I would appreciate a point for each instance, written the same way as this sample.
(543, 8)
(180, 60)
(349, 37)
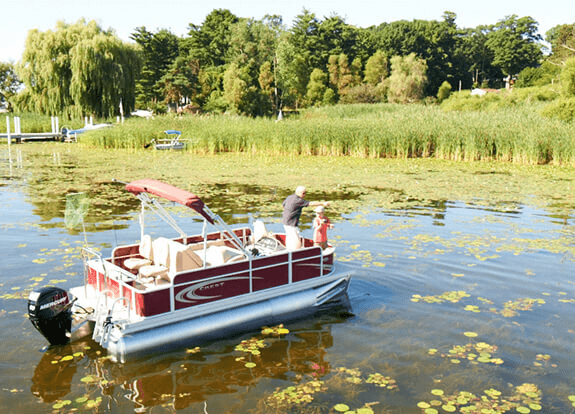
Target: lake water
(450, 302)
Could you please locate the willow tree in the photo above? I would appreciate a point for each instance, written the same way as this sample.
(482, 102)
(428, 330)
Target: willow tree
(77, 70)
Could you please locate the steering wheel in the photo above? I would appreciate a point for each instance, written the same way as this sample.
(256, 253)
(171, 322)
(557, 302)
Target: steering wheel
(268, 243)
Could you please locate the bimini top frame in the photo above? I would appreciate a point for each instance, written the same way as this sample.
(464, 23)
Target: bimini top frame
(143, 188)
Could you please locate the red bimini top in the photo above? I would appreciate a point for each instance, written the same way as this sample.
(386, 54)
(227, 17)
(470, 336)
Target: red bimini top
(171, 193)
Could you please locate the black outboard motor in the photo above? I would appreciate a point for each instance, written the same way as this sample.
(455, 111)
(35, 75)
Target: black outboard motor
(49, 311)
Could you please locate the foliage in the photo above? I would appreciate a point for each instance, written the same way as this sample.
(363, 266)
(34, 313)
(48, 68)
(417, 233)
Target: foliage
(513, 43)
(158, 51)
(562, 39)
(444, 91)
(498, 99)
(407, 79)
(273, 65)
(77, 70)
(364, 93)
(376, 68)
(568, 78)
(316, 88)
(431, 41)
(542, 75)
(209, 43)
(9, 83)
(563, 109)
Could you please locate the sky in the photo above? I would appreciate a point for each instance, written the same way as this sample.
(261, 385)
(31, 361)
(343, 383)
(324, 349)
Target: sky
(17, 17)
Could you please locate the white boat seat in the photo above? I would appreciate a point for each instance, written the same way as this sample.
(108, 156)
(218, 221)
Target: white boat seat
(182, 258)
(219, 255)
(145, 250)
(161, 255)
(260, 231)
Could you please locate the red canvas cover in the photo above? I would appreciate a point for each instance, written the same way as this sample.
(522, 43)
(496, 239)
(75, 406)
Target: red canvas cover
(169, 192)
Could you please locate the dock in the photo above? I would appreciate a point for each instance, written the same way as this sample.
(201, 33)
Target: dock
(18, 136)
(34, 136)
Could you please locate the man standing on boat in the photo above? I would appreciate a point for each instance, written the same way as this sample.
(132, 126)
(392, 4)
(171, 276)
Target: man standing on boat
(293, 206)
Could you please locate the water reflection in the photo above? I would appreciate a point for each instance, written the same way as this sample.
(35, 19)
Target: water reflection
(186, 377)
(53, 377)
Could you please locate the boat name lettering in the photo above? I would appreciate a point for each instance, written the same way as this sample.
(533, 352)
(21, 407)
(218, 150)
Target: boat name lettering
(191, 293)
(214, 285)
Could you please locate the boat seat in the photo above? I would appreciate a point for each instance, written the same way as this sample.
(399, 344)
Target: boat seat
(161, 255)
(182, 258)
(145, 250)
(260, 231)
(219, 255)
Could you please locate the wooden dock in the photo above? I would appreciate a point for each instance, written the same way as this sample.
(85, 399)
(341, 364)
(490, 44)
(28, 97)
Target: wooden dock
(35, 136)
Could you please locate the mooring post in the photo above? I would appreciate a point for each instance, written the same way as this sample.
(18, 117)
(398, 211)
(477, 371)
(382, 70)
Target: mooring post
(8, 132)
(17, 126)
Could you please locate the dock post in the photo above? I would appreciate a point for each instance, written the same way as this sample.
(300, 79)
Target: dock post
(8, 133)
(17, 126)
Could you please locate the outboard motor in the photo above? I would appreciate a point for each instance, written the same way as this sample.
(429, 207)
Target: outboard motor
(49, 311)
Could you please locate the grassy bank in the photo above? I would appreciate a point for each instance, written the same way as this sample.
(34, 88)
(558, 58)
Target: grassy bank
(515, 134)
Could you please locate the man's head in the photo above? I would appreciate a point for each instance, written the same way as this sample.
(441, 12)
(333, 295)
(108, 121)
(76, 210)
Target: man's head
(300, 191)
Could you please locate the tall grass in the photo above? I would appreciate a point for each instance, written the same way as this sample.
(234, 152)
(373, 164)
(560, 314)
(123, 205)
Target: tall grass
(514, 134)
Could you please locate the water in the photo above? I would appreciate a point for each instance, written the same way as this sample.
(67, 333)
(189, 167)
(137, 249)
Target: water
(509, 271)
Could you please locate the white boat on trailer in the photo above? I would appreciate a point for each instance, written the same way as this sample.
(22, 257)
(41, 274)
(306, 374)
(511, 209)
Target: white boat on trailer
(163, 294)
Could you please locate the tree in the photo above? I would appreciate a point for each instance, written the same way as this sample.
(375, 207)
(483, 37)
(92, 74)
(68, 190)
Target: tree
(568, 78)
(76, 70)
(334, 37)
(267, 83)
(316, 88)
(562, 39)
(209, 43)
(158, 52)
(444, 91)
(376, 68)
(473, 59)
(305, 40)
(235, 87)
(292, 74)
(513, 42)
(252, 47)
(407, 79)
(431, 41)
(9, 83)
(340, 75)
(180, 83)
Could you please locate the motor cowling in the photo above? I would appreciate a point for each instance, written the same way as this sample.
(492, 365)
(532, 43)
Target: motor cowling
(50, 313)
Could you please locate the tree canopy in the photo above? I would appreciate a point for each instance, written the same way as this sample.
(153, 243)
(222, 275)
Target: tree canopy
(78, 69)
(257, 67)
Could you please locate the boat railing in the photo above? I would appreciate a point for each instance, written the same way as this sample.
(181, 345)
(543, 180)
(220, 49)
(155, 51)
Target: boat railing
(119, 284)
(122, 278)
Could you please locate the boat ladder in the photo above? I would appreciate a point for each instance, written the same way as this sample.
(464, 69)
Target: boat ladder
(105, 318)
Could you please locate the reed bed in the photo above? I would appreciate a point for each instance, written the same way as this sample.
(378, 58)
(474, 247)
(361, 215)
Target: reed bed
(515, 134)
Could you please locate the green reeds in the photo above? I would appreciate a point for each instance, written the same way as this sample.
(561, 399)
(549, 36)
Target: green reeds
(512, 134)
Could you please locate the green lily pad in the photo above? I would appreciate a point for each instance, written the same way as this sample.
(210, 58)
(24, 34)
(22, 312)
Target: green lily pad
(342, 408)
